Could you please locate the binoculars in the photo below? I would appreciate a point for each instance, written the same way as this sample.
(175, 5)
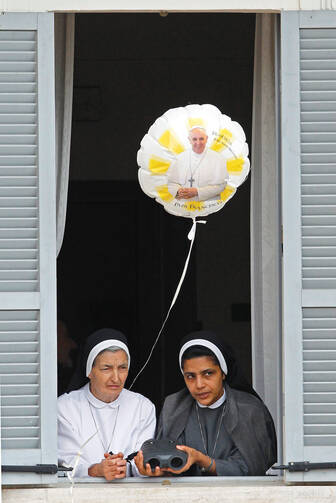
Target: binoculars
(163, 453)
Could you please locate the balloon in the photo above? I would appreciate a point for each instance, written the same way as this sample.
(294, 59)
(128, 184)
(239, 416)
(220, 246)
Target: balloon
(192, 160)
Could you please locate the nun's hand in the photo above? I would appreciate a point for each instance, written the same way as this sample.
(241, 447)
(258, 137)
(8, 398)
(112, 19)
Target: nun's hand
(147, 471)
(112, 467)
(196, 457)
(193, 457)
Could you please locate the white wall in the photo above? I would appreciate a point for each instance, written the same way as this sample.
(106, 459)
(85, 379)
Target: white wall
(157, 5)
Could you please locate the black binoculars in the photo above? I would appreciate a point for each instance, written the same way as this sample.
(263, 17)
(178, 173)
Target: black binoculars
(163, 453)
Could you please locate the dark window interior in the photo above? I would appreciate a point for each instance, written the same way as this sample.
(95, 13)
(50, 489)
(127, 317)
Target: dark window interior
(122, 254)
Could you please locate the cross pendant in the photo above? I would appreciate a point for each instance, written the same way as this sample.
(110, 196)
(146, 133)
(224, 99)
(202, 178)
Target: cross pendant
(191, 180)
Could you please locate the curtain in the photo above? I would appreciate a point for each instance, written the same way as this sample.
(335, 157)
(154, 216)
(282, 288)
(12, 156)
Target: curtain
(265, 221)
(64, 64)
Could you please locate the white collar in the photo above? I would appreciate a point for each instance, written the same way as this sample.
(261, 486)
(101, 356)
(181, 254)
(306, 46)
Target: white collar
(196, 154)
(215, 405)
(99, 404)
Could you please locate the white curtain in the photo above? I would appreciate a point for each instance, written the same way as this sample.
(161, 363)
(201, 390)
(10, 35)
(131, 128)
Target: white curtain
(265, 220)
(64, 63)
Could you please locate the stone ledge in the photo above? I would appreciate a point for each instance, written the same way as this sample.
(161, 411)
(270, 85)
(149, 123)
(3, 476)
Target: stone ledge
(166, 492)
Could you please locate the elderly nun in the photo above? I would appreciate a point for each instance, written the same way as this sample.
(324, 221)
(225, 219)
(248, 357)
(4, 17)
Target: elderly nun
(218, 419)
(99, 417)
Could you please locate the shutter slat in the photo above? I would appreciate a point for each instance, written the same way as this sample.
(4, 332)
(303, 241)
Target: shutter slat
(18, 139)
(323, 376)
(310, 178)
(315, 35)
(18, 171)
(318, 95)
(25, 346)
(14, 432)
(19, 400)
(17, 45)
(11, 421)
(317, 127)
(318, 365)
(315, 137)
(26, 77)
(317, 211)
(318, 85)
(20, 390)
(317, 116)
(319, 105)
(316, 419)
(14, 35)
(319, 251)
(18, 265)
(17, 56)
(318, 333)
(10, 223)
(318, 75)
(318, 64)
(19, 378)
(17, 443)
(17, 66)
(24, 253)
(318, 147)
(320, 387)
(16, 357)
(320, 223)
(18, 118)
(17, 98)
(319, 272)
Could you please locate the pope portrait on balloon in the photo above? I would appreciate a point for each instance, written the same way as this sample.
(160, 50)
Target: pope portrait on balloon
(198, 173)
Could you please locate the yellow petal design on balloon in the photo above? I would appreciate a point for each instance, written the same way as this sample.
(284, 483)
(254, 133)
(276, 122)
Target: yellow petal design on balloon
(158, 165)
(222, 140)
(227, 192)
(170, 141)
(163, 193)
(195, 121)
(235, 165)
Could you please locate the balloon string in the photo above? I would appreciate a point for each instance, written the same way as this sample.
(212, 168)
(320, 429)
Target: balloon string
(191, 237)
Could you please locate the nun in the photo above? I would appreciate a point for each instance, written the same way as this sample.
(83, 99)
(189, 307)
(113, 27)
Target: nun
(218, 419)
(99, 421)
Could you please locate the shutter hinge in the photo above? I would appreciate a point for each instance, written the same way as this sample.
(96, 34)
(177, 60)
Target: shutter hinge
(45, 469)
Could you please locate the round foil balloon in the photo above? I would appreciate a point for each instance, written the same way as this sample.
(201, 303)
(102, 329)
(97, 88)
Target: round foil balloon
(192, 160)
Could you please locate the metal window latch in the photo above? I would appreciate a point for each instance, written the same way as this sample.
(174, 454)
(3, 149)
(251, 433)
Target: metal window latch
(305, 466)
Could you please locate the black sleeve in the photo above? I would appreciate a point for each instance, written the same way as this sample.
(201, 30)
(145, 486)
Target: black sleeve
(233, 465)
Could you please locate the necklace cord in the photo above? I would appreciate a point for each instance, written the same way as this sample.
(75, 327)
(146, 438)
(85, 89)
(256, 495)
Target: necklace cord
(220, 420)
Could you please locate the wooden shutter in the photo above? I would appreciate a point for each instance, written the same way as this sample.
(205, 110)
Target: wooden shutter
(27, 244)
(308, 111)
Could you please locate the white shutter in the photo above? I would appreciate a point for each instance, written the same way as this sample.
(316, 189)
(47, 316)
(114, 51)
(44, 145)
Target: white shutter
(27, 245)
(308, 108)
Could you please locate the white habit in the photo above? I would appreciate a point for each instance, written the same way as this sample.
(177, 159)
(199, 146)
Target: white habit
(123, 426)
(207, 172)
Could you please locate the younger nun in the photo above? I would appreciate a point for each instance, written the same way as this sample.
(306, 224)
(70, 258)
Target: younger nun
(99, 417)
(218, 419)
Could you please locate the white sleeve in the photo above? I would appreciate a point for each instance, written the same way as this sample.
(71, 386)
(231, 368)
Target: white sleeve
(210, 191)
(146, 429)
(69, 445)
(173, 179)
(173, 188)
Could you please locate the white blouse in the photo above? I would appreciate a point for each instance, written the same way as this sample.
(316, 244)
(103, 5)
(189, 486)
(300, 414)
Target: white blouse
(120, 426)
